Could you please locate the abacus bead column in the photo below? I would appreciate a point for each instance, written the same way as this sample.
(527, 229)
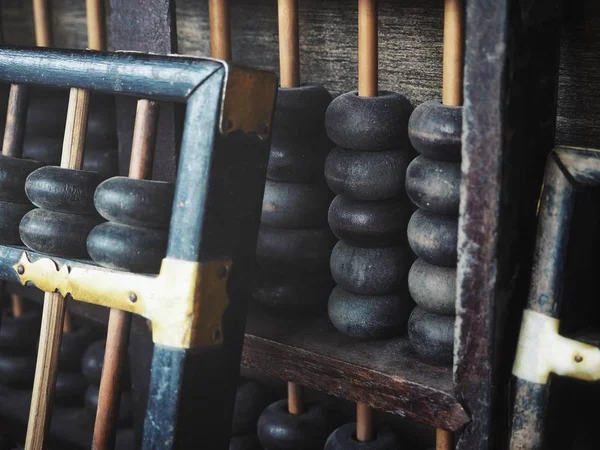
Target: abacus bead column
(343, 438)
(435, 129)
(432, 335)
(142, 203)
(366, 175)
(125, 247)
(433, 287)
(279, 429)
(13, 173)
(368, 316)
(434, 185)
(57, 233)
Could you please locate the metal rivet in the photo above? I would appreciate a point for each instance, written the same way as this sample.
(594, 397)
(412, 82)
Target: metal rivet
(132, 297)
(216, 334)
(222, 272)
(578, 358)
(20, 269)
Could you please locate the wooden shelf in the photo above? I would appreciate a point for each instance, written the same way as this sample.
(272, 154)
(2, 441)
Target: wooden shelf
(385, 374)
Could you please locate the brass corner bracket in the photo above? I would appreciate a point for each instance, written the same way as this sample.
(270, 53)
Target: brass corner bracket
(185, 302)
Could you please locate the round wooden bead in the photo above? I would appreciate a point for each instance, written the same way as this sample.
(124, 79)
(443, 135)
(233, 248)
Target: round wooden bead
(435, 130)
(295, 205)
(70, 388)
(10, 218)
(45, 149)
(19, 335)
(432, 335)
(91, 396)
(278, 429)
(92, 362)
(245, 442)
(13, 173)
(304, 249)
(250, 401)
(300, 111)
(434, 185)
(72, 347)
(344, 438)
(57, 233)
(124, 247)
(369, 123)
(141, 203)
(290, 294)
(63, 190)
(17, 371)
(297, 159)
(369, 224)
(433, 287)
(378, 270)
(366, 175)
(434, 237)
(369, 316)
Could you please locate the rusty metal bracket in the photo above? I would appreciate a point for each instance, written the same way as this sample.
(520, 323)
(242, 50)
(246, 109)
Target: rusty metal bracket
(185, 302)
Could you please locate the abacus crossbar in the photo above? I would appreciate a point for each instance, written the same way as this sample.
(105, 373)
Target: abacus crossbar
(197, 304)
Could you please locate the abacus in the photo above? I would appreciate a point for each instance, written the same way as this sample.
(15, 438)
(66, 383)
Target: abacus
(381, 303)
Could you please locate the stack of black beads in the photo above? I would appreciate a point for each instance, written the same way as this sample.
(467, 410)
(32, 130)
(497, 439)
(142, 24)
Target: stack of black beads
(294, 242)
(91, 367)
(433, 184)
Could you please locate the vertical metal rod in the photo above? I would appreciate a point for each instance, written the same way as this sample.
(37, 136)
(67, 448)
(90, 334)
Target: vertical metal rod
(119, 322)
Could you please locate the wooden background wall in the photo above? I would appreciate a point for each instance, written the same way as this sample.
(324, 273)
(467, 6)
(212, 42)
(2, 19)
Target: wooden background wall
(410, 47)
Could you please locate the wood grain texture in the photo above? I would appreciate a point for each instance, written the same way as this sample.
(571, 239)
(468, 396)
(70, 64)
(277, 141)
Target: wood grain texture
(386, 375)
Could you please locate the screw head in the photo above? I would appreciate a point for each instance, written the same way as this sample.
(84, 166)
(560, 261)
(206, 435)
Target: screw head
(20, 269)
(132, 297)
(578, 358)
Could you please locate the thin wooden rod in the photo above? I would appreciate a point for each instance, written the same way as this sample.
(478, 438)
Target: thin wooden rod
(220, 36)
(443, 440)
(16, 119)
(54, 304)
(289, 46)
(364, 422)
(453, 53)
(42, 21)
(119, 322)
(95, 24)
(18, 307)
(295, 401)
(367, 48)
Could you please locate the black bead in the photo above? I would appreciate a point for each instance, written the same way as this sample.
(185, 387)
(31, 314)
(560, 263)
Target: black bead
(70, 388)
(19, 335)
(142, 203)
(292, 294)
(432, 335)
(369, 224)
(378, 270)
(297, 159)
(304, 249)
(434, 237)
(92, 362)
(434, 185)
(344, 438)
(366, 175)
(72, 347)
(369, 123)
(63, 190)
(433, 287)
(17, 371)
(369, 316)
(300, 110)
(295, 205)
(13, 173)
(125, 247)
(435, 130)
(250, 401)
(279, 429)
(57, 233)
(10, 218)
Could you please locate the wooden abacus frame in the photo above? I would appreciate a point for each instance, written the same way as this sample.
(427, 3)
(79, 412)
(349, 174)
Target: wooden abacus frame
(216, 211)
